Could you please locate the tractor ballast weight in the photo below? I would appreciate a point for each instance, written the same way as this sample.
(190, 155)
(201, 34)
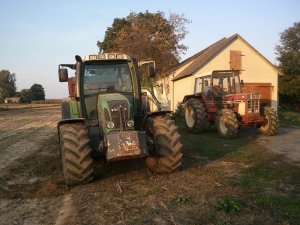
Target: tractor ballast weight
(108, 113)
(218, 99)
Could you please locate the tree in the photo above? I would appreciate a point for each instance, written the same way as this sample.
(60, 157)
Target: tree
(289, 50)
(7, 84)
(25, 96)
(37, 92)
(148, 36)
(289, 62)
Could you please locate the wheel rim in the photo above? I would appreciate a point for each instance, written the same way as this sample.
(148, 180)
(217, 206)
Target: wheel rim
(189, 116)
(222, 126)
(266, 125)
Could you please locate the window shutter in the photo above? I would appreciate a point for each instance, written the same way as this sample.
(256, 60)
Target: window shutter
(235, 60)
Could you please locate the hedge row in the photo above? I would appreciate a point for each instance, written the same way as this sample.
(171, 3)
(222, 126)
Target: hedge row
(47, 101)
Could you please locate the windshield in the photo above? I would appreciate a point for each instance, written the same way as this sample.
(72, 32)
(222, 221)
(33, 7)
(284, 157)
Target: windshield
(107, 78)
(103, 78)
(230, 84)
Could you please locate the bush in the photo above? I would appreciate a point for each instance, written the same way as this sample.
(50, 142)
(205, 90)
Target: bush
(228, 205)
(47, 101)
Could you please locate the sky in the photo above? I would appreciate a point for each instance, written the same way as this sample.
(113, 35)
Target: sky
(37, 36)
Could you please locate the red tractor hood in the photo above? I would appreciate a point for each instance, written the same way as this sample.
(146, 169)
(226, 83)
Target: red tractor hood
(242, 96)
(232, 97)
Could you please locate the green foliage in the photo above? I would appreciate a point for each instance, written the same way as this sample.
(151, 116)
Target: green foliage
(288, 207)
(25, 96)
(289, 50)
(7, 84)
(37, 92)
(179, 110)
(289, 89)
(228, 204)
(288, 116)
(111, 34)
(147, 36)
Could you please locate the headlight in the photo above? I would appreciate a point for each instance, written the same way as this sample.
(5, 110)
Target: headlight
(130, 123)
(110, 125)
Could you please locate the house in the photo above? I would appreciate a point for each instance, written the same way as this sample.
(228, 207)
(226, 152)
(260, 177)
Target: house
(12, 100)
(234, 53)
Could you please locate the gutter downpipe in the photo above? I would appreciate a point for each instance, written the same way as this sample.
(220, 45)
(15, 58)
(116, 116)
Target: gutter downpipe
(173, 93)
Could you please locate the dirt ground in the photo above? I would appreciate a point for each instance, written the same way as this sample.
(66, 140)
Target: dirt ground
(29, 166)
(32, 190)
(286, 143)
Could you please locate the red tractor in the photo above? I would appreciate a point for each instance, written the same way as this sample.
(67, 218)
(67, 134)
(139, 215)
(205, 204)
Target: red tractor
(219, 99)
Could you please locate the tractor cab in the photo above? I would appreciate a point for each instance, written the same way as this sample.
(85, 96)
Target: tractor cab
(218, 83)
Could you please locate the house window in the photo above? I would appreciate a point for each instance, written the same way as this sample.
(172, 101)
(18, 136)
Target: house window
(235, 60)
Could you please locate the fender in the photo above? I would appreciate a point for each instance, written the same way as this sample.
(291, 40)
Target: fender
(187, 97)
(67, 121)
(156, 113)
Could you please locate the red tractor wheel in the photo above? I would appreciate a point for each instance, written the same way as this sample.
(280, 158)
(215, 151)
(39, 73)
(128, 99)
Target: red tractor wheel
(272, 124)
(195, 116)
(227, 123)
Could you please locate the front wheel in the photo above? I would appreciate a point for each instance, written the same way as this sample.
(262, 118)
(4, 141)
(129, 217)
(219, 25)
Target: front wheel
(227, 123)
(75, 154)
(272, 124)
(167, 155)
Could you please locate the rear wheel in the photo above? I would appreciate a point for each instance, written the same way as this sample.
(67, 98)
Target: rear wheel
(75, 154)
(272, 124)
(227, 123)
(195, 116)
(166, 155)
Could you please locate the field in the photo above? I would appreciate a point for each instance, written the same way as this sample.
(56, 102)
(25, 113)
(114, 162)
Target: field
(239, 181)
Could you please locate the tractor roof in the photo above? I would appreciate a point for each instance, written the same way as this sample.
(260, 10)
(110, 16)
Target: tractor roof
(106, 56)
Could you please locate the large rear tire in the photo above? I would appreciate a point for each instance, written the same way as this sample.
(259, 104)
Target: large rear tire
(75, 154)
(195, 116)
(227, 123)
(166, 157)
(272, 124)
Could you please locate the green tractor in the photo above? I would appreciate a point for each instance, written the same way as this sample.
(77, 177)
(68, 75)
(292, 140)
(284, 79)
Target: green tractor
(108, 113)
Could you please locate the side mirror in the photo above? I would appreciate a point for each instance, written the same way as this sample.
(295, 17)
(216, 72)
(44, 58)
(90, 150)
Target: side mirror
(242, 83)
(148, 67)
(151, 70)
(63, 75)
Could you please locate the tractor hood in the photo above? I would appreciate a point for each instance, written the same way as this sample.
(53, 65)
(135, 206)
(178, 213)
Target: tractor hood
(243, 96)
(114, 112)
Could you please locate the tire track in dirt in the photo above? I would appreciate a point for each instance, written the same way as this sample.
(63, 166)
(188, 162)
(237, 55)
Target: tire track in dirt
(17, 144)
(30, 180)
(22, 122)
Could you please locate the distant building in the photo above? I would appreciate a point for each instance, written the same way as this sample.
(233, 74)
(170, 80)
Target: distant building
(233, 53)
(12, 100)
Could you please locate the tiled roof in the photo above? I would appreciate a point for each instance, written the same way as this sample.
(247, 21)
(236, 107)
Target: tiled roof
(203, 57)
